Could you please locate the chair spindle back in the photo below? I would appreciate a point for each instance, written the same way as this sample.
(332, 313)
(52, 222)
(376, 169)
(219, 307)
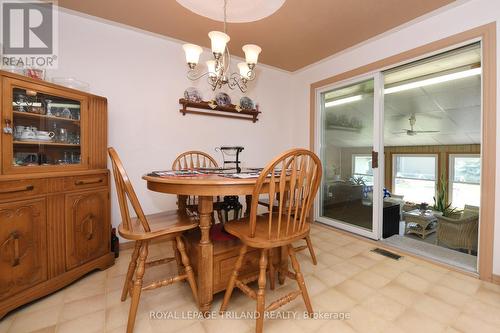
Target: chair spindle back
(194, 159)
(126, 193)
(296, 176)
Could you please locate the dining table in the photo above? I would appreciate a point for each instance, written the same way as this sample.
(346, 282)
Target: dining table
(206, 187)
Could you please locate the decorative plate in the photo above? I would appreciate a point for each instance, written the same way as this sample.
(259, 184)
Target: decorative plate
(192, 94)
(246, 103)
(222, 99)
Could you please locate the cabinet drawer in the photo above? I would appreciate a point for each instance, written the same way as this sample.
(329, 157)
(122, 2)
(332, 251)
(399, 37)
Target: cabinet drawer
(86, 181)
(23, 188)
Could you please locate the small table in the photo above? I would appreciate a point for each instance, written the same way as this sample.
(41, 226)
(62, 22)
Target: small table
(206, 187)
(421, 224)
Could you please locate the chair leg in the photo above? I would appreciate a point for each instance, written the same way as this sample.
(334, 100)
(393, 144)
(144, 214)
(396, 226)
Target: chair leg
(261, 293)
(131, 270)
(187, 267)
(232, 280)
(272, 271)
(311, 249)
(178, 259)
(136, 292)
(300, 279)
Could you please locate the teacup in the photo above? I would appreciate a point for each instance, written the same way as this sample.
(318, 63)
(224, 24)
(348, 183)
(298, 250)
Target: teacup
(28, 133)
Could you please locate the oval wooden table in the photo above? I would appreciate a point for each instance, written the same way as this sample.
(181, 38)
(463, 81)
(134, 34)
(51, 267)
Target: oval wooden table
(206, 187)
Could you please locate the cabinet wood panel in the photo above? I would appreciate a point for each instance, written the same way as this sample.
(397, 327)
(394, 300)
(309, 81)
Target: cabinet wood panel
(87, 226)
(22, 188)
(23, 256)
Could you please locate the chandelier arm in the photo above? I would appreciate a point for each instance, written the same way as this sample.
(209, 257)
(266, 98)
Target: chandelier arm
(193, 75)
(236, 80)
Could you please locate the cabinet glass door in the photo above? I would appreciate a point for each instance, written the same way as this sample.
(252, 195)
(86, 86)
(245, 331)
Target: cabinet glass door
(46, 129)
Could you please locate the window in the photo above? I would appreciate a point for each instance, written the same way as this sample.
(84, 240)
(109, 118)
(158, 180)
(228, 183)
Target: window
(362, 167)
(465, 175)
(414, 177)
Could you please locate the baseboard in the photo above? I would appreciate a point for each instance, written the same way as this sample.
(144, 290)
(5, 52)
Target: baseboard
(495, 279)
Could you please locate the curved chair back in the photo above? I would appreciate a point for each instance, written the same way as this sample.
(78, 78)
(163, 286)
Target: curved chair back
(126, 193)
(296, 175)
(194, 159)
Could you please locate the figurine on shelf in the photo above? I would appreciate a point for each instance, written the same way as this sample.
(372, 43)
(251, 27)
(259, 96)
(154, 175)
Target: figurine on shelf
(47, 107)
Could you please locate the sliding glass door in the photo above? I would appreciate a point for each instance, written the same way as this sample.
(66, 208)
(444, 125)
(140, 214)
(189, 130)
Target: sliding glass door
(348, 142)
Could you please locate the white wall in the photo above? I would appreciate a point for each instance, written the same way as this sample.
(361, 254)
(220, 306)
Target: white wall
(143, 76)
(454, 20)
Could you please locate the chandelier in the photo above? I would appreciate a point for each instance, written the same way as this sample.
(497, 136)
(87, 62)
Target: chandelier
(219, 73)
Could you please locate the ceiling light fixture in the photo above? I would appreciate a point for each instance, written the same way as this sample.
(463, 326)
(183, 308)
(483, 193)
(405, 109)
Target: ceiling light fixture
(218, 73)
(343, 101)
(412, 85)
(434, 80)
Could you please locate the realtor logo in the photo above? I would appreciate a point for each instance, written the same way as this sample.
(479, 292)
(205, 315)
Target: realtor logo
(28, 29)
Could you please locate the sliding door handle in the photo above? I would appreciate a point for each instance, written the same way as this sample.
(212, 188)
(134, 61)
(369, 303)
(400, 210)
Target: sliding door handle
(374, 159)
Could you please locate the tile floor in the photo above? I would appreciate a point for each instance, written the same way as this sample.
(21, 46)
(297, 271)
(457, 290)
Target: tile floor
(378, 294)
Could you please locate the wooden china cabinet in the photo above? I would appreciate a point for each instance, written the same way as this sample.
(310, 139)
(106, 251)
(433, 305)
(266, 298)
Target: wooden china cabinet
(54, 188)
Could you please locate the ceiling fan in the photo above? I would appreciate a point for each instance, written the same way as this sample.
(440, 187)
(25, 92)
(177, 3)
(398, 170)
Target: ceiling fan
(411, 131)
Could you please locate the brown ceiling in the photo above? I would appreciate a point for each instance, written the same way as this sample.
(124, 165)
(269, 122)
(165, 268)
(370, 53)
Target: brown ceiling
(300, 33)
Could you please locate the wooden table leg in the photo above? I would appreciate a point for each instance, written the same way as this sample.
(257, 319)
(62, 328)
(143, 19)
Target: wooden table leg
(205, 263)
(283, 264)
(248, 200)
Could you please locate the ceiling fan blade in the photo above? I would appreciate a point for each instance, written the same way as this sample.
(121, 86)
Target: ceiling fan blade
(427, 131)
(404, 132)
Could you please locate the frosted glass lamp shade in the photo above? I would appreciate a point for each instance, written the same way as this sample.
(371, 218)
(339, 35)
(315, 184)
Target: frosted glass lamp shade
(251, 53)
(243, 67)
(219, 41)
(211, 68)
(192, 53)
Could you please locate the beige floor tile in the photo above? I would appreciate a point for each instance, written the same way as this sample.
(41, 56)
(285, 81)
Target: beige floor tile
(346, 268)
(451, 330)
(483, 311)
(142, 326)
(77, 291)
(42, 303)
(383, 306)
(92, 322)
(371, 279)
(5, 323)
(74, 309)
(50, 329)
(436, 309)
(463, 284)
(314, 285)
(427, 273)
(328, 259)
(336, 326)
(363, 320)
(330, 277)
(469, 324)
(227, 325)
(355, 290)
(448, 295)
(195, 328)
(332, 301)
(412, 321)
(363, 261)
(344, 252)
(36, 320)
(386, 270)
(488, 297)
(413, 282)
(399, 293)
(280, 326)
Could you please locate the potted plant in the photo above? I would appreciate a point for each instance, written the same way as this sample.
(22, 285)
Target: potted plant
(440, 202)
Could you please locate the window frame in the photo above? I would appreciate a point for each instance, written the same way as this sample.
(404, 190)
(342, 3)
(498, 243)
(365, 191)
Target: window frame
(451, 172)
(394, 168)
(353, 165)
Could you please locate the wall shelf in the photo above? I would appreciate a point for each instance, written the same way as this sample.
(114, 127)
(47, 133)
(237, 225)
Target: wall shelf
(203, 108)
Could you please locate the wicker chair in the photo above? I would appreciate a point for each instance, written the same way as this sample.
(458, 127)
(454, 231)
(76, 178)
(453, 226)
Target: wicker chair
(460, 232)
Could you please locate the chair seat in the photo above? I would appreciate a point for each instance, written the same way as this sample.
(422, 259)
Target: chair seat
(241, 229)
(165, 223)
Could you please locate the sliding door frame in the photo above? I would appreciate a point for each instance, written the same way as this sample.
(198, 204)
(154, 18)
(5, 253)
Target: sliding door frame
(487, 35)
(377, 145)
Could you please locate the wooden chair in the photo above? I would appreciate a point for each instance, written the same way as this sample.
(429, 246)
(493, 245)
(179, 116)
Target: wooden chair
(194, 159)
(143, 229)
(298, 184)
(267, 203)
